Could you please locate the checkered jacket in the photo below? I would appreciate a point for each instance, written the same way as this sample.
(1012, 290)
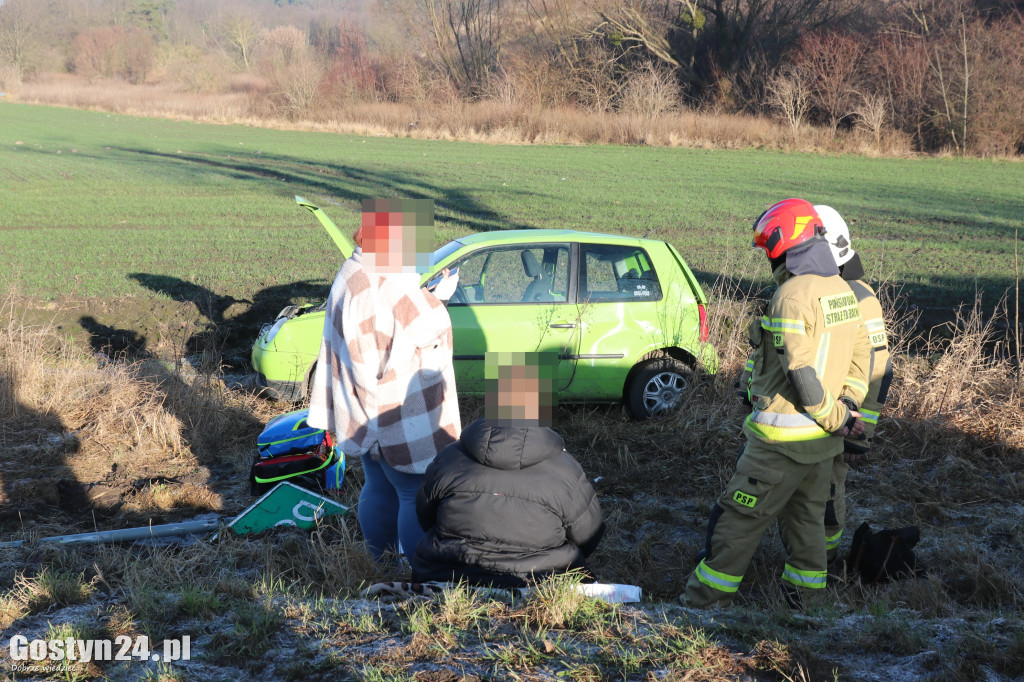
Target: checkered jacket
(384, 381)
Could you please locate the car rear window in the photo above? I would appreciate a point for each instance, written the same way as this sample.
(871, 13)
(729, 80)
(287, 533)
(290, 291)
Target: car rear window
(614, 272)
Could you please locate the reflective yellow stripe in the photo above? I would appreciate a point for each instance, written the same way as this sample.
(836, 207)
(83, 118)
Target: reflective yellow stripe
(833, 542)
(778, 324)
(772, 426)
(868, 416)
(821, 362)
(876, 332)
(722, 582)
(857, 385)
(825, 409)
(812, 579)
(750, 364)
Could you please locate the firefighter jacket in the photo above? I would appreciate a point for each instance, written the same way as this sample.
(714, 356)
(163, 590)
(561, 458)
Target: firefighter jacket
(879, 365)
(810, 344)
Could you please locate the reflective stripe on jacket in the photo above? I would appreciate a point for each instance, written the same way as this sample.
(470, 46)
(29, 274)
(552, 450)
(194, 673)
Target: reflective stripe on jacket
(813, 344)
(880, 365)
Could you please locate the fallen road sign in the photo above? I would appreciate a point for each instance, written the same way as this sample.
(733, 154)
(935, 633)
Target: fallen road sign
(286, 504)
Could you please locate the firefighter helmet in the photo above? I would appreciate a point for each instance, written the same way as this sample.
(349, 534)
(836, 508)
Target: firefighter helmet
(786, 224)
(837, 234)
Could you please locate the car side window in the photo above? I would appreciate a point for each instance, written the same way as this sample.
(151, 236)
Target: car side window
(614, 272)
(528, 273)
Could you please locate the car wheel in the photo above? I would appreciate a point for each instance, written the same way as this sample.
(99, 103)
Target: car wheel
(309, 386)
(656, 387)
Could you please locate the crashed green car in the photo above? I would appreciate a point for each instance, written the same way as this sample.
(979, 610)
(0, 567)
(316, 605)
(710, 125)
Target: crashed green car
(626, 316)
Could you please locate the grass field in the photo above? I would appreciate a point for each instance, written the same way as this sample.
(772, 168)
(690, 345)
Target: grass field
(100, 205)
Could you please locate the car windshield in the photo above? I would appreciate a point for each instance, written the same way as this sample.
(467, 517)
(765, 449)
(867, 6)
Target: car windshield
(444, 251)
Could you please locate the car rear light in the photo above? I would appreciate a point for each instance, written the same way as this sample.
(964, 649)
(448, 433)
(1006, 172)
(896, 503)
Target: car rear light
(703, 321)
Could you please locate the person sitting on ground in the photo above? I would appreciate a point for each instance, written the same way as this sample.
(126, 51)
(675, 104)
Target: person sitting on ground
(506, 505)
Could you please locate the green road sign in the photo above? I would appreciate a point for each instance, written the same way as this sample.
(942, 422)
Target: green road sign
(286, 505)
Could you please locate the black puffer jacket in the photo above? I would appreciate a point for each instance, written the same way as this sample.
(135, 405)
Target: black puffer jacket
(503, 505)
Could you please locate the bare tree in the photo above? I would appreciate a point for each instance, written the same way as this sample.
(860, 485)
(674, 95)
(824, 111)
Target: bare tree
(872, 113)
(94, 52)
(467, 38)
(997, 117)
(294, 70)
(22, 23)
(633, 24)
(789, 94)
(238, 33)
(943, 26)
(953, 80)
(650, 91)
(832, 61)
(901, 66)
(739, 29)
(107, 51)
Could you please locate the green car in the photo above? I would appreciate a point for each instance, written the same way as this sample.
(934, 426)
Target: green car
(626, 316)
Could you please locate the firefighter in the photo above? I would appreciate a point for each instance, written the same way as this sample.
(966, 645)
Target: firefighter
(879, 375)
(809, 345)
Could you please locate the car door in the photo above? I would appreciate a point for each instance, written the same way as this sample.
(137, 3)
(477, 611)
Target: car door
(513, 298)
(619, 295)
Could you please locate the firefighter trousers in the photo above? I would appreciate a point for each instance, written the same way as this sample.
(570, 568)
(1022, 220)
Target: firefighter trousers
(835, 507)
(766, 485)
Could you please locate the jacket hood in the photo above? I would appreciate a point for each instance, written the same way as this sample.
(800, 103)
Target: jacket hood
(853, 269)
(502, 446)
(811, 258)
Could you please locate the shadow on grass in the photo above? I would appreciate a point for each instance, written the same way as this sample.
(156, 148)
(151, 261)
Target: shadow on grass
(455, 206)
(36, 448)
(233, 334)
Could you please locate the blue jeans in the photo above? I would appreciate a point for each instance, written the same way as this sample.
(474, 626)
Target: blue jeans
(387, 509)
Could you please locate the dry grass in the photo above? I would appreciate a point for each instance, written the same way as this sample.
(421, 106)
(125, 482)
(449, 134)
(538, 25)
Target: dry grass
(48, 588)
(494, 121)
(119, 437)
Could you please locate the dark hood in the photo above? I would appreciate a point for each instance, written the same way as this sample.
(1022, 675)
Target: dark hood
(501, 446)
(853, 269)
(810, 258)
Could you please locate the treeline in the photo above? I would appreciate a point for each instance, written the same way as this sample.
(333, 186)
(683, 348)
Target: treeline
(936, 75)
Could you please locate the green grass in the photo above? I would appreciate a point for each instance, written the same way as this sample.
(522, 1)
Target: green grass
(104, 205)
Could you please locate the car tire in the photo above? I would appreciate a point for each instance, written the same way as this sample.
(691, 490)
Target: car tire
(656, 386)
(304, 398)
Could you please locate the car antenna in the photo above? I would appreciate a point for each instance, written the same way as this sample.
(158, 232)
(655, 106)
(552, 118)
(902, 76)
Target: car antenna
(651, 231)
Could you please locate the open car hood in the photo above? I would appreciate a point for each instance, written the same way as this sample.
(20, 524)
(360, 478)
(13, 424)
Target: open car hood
(340, 239)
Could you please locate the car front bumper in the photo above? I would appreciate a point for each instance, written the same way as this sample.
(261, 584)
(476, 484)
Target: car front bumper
(292, 391)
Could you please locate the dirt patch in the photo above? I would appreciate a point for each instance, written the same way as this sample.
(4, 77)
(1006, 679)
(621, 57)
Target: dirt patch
(135, 328)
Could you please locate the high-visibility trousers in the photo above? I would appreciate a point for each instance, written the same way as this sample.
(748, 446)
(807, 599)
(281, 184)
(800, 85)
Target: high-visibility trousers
(835, 507)
(767, 485)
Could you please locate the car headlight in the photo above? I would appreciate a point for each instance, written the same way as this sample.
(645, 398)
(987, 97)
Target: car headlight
(269, 334)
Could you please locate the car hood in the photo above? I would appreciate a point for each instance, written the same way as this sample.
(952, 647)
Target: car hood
(340, 239)
(501, 446)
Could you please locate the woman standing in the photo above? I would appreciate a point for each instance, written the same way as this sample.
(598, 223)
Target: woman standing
(384, 382)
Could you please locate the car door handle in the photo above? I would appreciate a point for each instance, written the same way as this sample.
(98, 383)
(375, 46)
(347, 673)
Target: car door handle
(563, 325)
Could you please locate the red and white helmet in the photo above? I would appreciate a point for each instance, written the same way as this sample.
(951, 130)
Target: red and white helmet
(786, 224)
(837, 234)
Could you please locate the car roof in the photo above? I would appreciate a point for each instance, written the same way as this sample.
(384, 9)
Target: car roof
(547, 235)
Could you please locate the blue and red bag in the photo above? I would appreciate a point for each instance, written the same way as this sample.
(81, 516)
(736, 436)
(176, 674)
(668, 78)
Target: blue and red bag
(291, 450)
